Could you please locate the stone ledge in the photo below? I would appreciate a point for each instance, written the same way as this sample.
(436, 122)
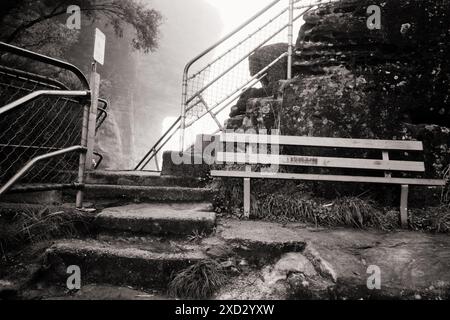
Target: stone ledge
(158, 219)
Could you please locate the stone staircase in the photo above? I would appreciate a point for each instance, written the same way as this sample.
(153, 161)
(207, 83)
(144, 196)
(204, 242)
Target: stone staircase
(145, 187)
(143, 240)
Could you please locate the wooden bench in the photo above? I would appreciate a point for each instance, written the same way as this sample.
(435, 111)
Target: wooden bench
(248, 155)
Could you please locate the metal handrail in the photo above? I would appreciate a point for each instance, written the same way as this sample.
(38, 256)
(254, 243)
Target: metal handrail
(47, 60)
(241, 59)
(239, 43)
(103, 113)
(180, 121)
(32, 162)
(36, 94)
(38, 79)
(226, 101)
(49, 82)
(55, 89)
(228, 36)
(53, 84)
(157, 147)
(186, 100)
(19, 103)
(100, 159)
(256, 76)
(204, 53)
(145, 160)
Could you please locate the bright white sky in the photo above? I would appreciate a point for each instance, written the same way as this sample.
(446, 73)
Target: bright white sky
(235, 12)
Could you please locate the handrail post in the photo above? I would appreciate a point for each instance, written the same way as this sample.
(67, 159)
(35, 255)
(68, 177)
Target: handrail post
(183, 110)
(156, 160)
(290, 38)
(82, 164)
(88, 133)
(83, 156)
(95, 90)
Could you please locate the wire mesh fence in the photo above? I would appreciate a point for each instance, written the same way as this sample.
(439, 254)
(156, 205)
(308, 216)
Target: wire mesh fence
(215, 81)
(47, 124)
(40, 126)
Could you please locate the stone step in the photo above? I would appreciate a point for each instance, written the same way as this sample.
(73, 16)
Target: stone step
(37, 197)
(192, 165)
(149, 264)
(146, 193)
(142, 178)
(159, 219)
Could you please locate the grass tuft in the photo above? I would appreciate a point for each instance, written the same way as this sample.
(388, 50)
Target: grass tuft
(345, 211)
(433, 219)
(29, 225)
(198, 281)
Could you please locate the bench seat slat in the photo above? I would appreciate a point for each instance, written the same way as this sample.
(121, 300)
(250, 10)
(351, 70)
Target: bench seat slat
(318, 177)
(322, 142)
(325, 162)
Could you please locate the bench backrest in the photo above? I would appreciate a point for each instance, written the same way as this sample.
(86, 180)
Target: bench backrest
(250, 154)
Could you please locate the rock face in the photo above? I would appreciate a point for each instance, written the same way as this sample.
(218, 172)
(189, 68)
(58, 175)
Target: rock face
(354, 82)
(266, 55)
(405, 63)
(249, 112)
(339, 264)
(383, 84)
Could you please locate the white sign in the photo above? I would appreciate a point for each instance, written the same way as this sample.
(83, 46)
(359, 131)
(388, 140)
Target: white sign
(99, 46)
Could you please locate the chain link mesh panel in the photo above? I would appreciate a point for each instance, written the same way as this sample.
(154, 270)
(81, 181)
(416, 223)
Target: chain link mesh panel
(43, 125)
(216, 80)
(46, 124)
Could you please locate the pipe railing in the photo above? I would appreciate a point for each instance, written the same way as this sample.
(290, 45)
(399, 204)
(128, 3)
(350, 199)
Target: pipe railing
(46, 60)
(34, 161)
(44, 123)
(208, 84)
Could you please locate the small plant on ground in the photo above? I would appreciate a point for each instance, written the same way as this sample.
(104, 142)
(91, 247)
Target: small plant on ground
(198, 281)
(361, 213)
(196, 236)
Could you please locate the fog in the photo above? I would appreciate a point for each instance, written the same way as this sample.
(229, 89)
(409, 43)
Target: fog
(194, 25)
(148, 99)
(149, 90)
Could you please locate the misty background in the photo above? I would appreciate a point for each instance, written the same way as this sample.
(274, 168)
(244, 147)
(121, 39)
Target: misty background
(144, 90)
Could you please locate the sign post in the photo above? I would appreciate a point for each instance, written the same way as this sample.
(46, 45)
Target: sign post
(99, 46)
(99, 57)
(90, 115)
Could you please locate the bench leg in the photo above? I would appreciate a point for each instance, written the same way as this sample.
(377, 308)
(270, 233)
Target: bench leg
(404, 206)
(247, 197)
